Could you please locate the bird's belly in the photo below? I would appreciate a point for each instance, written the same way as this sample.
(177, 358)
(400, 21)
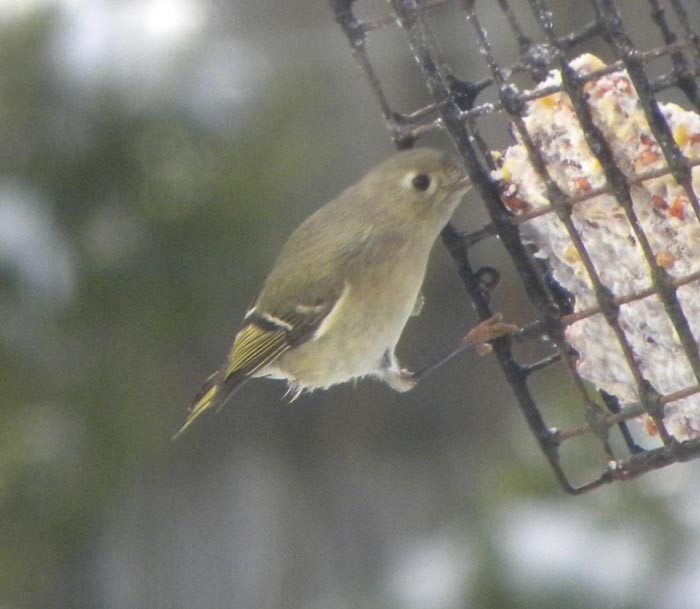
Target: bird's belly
(355, 344)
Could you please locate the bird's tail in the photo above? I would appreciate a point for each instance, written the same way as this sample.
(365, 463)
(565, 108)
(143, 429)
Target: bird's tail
(212, 394)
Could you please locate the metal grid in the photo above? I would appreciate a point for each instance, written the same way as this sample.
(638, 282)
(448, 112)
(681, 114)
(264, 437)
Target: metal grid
(458, 109)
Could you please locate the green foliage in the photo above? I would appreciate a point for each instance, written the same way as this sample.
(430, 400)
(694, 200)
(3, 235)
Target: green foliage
(163, 218)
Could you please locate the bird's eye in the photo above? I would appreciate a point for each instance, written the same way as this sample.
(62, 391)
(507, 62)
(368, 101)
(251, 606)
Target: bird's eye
(421, 182)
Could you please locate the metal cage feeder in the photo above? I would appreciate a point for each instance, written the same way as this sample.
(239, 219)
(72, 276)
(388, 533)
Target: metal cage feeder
(459, 108)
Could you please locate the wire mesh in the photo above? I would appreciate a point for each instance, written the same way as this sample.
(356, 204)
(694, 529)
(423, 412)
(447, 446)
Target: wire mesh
(465, 110)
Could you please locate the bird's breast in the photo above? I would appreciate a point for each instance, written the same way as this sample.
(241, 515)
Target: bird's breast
(368, 319)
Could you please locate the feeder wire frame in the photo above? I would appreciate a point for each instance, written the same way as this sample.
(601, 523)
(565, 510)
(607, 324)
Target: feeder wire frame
(456, 109)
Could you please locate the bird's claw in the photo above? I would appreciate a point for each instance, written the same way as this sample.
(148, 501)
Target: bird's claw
(489, 329)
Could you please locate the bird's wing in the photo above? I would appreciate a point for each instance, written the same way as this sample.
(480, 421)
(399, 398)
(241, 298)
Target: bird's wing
(290, 310)
(260, 341)
(263, 337)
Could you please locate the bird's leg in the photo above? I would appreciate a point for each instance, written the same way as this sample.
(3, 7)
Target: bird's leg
(490, 329)
(479, 336)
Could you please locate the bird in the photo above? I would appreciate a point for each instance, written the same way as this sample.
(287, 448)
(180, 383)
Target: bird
(345, 283)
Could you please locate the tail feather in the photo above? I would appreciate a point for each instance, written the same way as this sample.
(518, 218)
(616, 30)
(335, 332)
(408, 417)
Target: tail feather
(212, 394)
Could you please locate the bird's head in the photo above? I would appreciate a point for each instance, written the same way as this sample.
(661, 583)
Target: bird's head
(421, 185)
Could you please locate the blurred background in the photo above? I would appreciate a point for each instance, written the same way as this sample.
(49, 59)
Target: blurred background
(154, 154)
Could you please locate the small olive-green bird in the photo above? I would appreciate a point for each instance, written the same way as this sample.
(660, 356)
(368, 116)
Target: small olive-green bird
(345, 283)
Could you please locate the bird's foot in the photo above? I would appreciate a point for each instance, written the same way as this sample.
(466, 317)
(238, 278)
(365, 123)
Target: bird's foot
(489, 329)
(401, 380)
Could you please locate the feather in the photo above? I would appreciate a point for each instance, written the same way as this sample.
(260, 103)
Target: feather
(260, 341)
(256, 346)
